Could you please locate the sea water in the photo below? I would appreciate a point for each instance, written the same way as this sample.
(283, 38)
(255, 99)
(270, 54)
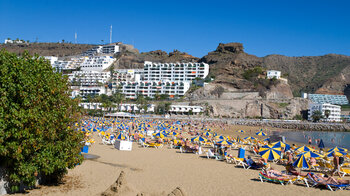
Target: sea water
(330, 139)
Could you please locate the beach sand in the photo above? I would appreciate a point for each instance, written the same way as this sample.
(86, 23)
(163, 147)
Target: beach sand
(157, 172)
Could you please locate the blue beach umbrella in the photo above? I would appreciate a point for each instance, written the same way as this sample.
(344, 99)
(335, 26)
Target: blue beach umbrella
(303, 149)
(159, 135)
(338, 153)
(321, 144)
(249, 138)
(270, 153)
(199, 138)
(207, 134)
(301, 163)
(240, 131)
(260, 133)
(281, 144)
(338, 149)
(224, 142)
(310, 154)
(120, 137)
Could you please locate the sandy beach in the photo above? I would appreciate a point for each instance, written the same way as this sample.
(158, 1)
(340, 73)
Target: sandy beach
(159, 171)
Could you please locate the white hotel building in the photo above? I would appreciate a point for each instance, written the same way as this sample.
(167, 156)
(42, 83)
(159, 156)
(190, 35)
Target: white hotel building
(89, 78)
(174, 71)
(174, 109)
(151, 88)
(334, 110)
(104, 49)
(97, 63)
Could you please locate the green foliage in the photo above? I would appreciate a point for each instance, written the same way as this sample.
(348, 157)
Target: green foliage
(35, 117)
(298, 117)
(345, 107)
(218, 90)
(317, 116)
(283, 105)
(162, 108)
(252, 73)
(142, 102)
(327, 113)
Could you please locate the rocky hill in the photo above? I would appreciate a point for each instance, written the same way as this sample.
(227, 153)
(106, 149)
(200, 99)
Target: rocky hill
(48, 49)
(229, 64)
(131, 58)
(328, 73)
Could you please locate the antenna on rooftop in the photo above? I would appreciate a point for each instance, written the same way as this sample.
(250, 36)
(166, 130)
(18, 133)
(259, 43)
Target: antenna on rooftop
(110, 35)
(76, 36)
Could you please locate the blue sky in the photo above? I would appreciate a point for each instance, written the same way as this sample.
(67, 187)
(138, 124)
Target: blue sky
(293, 28)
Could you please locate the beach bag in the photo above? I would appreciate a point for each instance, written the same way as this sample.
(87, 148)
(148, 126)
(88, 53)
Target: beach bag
(341, 160)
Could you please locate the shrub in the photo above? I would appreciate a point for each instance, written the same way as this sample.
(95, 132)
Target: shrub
(35, 117)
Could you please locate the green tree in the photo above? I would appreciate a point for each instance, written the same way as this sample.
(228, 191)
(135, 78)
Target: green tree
(36, 114)
(142, 102)
(327, 113)
(118, 98)
(317, 116)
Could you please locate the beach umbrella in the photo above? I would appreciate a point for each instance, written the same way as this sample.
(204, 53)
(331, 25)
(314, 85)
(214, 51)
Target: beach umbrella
(220, 137)
(338, 149)
(303, 149)
(238, 139)
(280, 145)
(165, 132)
(120, 137)
(199, 138)
(270, 153)
(240, 131)
(207, 134)
(159, 135)
(224, 142)
(249, 138)
(321, 144)
(207, 129)
(174, 133)
(310, 154)
(301, 162)
(337, 153)
(260, 133)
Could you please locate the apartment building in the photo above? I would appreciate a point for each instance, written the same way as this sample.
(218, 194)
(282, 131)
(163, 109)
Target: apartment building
(103, 49)
(84, 91)
(332, 99)
(185, 109)
(334, 111)
(174, 71)
(151, 88)
(71, 64)
(126, 107)
(89, 78)
(96, 63)
(273, 74)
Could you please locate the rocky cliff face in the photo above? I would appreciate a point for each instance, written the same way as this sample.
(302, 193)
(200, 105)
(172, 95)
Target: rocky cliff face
(328, 73)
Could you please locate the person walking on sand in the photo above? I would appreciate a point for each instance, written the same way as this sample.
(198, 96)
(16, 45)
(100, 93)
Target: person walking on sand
(336, 164)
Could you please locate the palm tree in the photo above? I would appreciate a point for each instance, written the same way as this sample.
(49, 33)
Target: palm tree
(317, 116)
(118, 98)
(142, 102)
(327, 113)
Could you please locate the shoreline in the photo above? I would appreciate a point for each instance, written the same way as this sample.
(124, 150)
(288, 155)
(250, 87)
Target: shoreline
(273, 123)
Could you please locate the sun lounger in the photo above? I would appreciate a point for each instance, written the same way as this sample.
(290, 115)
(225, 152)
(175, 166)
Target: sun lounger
(283, 180)
(210, 155)
(331, 187)
(239, 162)
(344, 171)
